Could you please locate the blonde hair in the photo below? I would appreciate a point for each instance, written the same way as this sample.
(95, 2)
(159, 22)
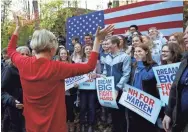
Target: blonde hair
(21, 48)
(43, 40)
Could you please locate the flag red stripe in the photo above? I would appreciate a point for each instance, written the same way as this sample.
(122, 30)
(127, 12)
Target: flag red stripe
(165, 25)
(131, 6)
(143, 15)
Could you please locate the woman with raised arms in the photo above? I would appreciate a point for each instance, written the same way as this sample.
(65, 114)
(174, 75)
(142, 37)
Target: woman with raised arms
(43, 79)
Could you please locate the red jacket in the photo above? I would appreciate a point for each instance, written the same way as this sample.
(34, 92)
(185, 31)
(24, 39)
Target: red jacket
(43, 88)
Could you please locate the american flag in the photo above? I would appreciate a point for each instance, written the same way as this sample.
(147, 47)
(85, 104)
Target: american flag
(166, 16)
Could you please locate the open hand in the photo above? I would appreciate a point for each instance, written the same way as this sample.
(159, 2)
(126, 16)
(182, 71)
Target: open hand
(127, 33)
(16, 19)
(101, 33)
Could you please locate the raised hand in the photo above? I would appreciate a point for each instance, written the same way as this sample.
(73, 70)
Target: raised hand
(101, 33)
(18, 23)
(16, 19)
(127, 33)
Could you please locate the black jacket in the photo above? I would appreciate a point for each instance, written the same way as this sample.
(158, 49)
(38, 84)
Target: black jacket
(11, 86)
(173, 109)
(11, 91)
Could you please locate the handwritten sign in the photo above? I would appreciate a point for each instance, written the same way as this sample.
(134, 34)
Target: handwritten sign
(106, 92)
(141, 102)
(165, 76)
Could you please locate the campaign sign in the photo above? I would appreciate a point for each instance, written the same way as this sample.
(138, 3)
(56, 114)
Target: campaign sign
(70, 82)
(165, 76)
(106, 92)
(88, 85)
(141, 102)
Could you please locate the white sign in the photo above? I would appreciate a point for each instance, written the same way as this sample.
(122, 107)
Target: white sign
(70, 82)
(141, 102)
(106, 92)
(165, 76)
(88, 85)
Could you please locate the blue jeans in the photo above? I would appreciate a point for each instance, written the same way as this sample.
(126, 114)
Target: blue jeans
(88, 100)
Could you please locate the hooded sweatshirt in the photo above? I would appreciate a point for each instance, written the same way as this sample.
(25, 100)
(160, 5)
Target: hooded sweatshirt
(43, 88)
(119, 66)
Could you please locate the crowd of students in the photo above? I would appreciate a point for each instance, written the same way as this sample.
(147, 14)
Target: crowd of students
(129, 58)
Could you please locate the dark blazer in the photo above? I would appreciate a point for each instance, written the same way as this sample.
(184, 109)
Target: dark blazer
(173, 109)
(11, 86)
(11, 91)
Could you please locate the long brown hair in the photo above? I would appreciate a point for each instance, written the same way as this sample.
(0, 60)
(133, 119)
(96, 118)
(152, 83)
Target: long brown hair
(68, 55)
(83, 51)
(125, 46)
(74, 54)
(149, 60)
(176, 52)
(179, 38)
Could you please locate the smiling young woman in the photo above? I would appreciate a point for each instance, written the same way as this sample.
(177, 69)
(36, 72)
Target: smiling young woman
(171, 53)
(142, 77)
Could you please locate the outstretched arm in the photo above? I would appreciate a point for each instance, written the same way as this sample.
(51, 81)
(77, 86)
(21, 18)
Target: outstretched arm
(15, 56)
(78, 69)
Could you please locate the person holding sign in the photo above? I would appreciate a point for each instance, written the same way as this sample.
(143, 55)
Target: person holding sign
(118, 64)
(176, 114)
(88, 95)
(43, 79)
(103, 54)
(142, 77)
(71, 94)
(171, 53)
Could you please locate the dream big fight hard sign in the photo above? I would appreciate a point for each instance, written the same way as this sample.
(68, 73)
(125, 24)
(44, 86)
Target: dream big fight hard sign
(165, 76)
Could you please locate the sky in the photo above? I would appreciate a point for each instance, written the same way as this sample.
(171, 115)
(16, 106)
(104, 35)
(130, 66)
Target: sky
(91, 4)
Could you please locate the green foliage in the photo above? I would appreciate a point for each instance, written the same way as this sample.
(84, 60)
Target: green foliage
(8, 29)
(4, 35)
(54, 16)
(25, 32)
